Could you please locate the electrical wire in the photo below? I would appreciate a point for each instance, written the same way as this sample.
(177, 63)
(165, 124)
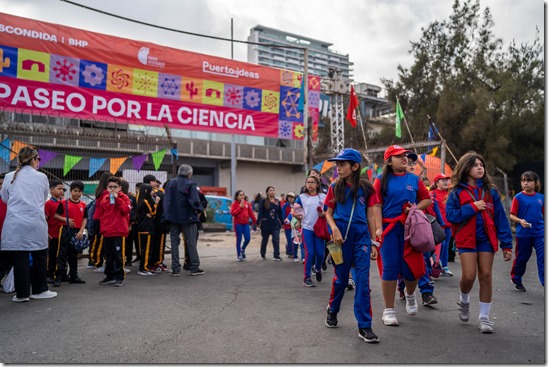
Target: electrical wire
(178, 30)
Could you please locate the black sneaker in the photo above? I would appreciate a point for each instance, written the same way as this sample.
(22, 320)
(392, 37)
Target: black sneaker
(318, 276)
(118, 283)
(368, 335)
(197, 272)
(106, 281)
(57, 282)
(520, 288)
(331, 319)
(186, 267)
(65, 279)
(243, 254)
(428, 299)
(49, 280)
(77, 281)
(278, 259)
(308, 283)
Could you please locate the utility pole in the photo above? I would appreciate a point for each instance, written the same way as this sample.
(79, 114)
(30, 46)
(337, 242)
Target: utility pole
(233, 160)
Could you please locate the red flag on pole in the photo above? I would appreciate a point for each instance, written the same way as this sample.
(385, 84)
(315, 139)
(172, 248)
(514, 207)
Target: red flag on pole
(351, 114)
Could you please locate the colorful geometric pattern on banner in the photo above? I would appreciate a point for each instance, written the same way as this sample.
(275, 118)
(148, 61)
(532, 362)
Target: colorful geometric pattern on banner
(51, 69)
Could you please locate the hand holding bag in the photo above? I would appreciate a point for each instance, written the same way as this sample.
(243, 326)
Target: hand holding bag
(76, 244)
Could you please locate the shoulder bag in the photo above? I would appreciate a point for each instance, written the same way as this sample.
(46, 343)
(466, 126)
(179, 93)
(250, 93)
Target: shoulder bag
(76, 244)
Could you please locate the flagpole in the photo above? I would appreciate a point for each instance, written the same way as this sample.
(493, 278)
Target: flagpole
(360, 120)
(441, 137)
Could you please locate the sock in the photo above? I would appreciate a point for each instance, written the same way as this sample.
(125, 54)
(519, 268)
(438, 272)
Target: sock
(389, 309)
(465, 297)
(484, 310)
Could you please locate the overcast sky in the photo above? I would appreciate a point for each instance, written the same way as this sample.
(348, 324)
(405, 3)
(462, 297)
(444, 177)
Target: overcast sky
(375, 33)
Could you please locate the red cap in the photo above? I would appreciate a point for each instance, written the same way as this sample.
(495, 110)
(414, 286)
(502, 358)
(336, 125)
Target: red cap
(394, 150)
(439, 177)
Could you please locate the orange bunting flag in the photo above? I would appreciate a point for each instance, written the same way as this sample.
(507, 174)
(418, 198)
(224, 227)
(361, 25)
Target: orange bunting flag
(115, 164)
(352, 105)
(16, 147)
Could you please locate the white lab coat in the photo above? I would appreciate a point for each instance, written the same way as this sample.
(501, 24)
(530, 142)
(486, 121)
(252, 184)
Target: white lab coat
(25, 227)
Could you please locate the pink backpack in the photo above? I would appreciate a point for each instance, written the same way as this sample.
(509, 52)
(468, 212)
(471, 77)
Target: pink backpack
(418, 230)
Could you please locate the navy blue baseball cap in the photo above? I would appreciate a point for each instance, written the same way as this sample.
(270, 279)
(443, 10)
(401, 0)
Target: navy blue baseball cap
(412, 156)
(348, 154)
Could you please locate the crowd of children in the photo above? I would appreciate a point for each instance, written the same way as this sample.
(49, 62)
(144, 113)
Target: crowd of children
(366, 220)
(362, 216)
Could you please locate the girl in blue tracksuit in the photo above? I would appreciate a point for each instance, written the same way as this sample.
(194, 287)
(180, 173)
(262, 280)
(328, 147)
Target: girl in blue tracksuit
(528, 212)
(352, 199)
(475, 210)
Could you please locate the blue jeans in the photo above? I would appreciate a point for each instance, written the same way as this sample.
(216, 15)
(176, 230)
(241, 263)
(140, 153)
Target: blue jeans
(265, 233)
(242, 230)
(289, 246)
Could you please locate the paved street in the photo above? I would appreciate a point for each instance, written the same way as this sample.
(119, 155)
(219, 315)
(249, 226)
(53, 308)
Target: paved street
(259, 312)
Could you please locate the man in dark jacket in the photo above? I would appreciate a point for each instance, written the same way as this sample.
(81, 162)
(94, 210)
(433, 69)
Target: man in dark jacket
(181, 209)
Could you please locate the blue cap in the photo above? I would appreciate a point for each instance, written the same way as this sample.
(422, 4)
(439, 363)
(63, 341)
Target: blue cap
(348, 154)
(413, 156)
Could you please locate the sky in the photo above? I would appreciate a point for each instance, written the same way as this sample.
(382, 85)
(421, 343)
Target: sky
(375, 33)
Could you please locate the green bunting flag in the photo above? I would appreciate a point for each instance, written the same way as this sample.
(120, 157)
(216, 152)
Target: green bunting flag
(70, 161)
(399, 118)
(157, 158)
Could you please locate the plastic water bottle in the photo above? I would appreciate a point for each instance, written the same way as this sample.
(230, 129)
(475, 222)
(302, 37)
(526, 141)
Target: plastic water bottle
(112, 200)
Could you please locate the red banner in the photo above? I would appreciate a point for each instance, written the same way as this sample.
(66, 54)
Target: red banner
(52, 69)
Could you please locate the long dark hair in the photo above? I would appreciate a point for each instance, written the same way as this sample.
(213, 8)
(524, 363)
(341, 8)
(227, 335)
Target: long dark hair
(318, 184)
(357, 183)
(464, 165)
(386, 171)
(267, 199)
(145, 192)
(102, 185)
(236, 195)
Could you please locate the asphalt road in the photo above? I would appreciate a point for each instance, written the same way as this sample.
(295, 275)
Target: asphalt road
(259, 312)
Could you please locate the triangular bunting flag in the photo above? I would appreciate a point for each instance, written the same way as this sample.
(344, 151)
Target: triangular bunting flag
(157, 158)
(46, 156)
(95, 165)
(138, 161)
(423, 157)
(16, 147)
(434, 151)
(70, 161)
(115, 163)
(5, 147)
(174, 154)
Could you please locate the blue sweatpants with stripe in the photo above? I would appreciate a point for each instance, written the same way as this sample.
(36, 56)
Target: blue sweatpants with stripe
(524, 249)
(357, 251)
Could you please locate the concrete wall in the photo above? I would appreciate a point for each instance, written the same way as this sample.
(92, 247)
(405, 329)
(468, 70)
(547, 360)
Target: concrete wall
(255, 177)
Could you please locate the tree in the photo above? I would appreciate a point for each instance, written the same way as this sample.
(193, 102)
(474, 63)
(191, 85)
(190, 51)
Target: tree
(481, 97)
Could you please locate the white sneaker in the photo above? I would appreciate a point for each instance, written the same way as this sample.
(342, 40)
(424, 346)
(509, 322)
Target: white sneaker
(44, 295)
(410, 304)
(19, 300)
(146, 273)
(295, 260)
(100, 269)
(464, 311)
(486, 325)
(389, 317)
(127, 271)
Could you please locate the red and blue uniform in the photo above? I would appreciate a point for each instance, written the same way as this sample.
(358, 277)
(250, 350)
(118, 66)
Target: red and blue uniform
(531, 208)
(397, 255)
(356, 250)
(477, 230)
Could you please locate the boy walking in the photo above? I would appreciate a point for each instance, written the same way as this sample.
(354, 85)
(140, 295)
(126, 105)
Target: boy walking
(72, 215)
(113, 213)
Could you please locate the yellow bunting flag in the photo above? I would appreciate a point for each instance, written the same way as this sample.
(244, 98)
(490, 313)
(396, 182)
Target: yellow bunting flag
(115, 164)
(434, 151)
(16, 147)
